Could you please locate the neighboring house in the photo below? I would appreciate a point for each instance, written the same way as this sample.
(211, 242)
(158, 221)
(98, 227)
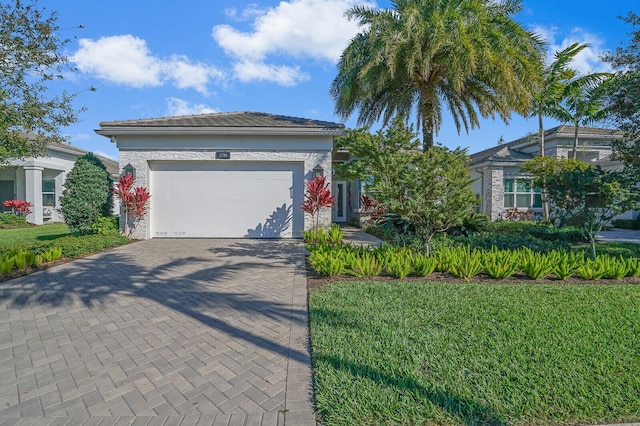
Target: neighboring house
(500, 185)
(39, 180)
(229, 175)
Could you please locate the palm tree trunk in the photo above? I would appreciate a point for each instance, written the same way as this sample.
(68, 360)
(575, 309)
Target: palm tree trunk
(545, 204)
(575, 141)
(427, 135)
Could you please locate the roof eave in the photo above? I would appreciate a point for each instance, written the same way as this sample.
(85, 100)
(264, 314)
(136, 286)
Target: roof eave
(109, 131)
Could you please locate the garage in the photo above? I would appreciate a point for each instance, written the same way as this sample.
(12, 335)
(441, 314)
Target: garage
(217, 199)
(224, 175)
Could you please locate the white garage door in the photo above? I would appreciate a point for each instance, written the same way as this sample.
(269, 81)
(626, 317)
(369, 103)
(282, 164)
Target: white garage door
(226, 199)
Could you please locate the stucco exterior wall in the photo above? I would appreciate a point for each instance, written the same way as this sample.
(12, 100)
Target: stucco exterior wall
(140, 159)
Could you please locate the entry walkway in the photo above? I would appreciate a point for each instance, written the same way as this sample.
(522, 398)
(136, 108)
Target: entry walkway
(160, 332)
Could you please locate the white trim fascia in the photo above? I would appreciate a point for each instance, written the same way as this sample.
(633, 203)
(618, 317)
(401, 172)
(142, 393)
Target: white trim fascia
(249, 131)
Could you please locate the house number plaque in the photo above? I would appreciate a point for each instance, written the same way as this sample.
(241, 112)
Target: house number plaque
(223, 155)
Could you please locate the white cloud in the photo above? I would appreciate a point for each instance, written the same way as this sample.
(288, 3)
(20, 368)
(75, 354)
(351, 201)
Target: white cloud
(588, 60)
(247, 71)
(127, 60)
(178, 106)
(249, 12)
(315, 29)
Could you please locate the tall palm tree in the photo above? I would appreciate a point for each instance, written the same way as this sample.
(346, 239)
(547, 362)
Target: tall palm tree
(563, 93)
(584, 103)
(468, 55)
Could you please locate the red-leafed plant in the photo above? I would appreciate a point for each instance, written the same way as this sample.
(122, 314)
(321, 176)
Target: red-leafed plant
(316, 197)
(19, 207)
(134, 201)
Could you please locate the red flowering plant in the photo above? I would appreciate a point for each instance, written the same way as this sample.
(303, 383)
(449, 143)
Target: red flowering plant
(134, 201)
(18, 207)
(316, 197)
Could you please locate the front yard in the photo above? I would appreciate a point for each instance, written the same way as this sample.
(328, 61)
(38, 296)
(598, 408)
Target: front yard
(40, 239)
(437, 353)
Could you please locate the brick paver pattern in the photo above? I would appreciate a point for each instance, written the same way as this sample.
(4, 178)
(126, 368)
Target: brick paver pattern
(160, 332)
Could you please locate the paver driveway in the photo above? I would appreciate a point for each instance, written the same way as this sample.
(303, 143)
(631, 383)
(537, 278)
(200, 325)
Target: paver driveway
(160, 332)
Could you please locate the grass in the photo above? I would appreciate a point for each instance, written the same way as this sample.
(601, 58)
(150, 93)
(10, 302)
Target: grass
(422, 353)
(11, 237)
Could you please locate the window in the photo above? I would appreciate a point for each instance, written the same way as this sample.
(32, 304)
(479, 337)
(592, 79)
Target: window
(49, 192)
(522, 194)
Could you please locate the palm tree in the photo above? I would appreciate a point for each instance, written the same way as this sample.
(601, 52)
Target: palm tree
(583, 105)
(468, 55)
(554, 81)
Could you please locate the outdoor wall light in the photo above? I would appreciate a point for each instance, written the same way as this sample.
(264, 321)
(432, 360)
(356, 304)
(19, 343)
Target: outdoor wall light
(130, 170)
(318, 171)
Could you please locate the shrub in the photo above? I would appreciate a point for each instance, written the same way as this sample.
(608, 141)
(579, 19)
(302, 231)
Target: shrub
(537, 265)
(106, 225)
(424, 265)
(466, 263)
(500, 264)
(400, 264)
(86, 195)
(8, 220)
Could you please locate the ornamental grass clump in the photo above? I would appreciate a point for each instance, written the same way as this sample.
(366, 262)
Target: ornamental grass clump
(633, 267)
(365, 263)
(328, 261)
(424, 265)
(400, 265)
(592, 269)
(467, 263)
(500, 264)
(566, 264)
(615, 267)
(537, 265)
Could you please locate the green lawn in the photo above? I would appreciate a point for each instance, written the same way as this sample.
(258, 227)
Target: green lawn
(424, 353)
(40, 238)
(10, 237)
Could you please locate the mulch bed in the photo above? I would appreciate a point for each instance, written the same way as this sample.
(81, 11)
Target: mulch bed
(315, 280)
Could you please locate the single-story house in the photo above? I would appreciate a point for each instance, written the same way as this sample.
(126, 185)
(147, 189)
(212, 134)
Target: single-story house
(39, 180)
(499, 183)
(229, 175)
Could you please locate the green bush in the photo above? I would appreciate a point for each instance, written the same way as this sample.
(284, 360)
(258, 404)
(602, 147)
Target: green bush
(9, 220)
(511, 242)
(87, 194)
(106, 225)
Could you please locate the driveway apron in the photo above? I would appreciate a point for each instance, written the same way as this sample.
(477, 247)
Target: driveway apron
(162, 331)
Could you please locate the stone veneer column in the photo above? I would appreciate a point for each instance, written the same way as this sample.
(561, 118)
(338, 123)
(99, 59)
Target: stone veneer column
(497, 192)
(33, 184)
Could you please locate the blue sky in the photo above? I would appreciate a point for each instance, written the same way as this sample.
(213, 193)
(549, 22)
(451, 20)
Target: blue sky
(192, 57)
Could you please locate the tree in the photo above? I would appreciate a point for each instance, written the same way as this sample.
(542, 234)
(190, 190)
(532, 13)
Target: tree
(624, 96)
(430, 190)
(555, 78)
(584, 106)
(133, 200)
(31, 55)
(317, 196)
(584, 195)
(466, 54)
(87, 194)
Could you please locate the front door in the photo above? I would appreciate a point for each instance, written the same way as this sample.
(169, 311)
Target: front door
(340, 202)
(6, 192)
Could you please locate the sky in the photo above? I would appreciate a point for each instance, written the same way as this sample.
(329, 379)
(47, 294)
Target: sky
(194, 56)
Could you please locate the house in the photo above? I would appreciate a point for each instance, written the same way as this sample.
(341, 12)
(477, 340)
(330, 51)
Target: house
(229, 175)
(500, 185)
(39, 180)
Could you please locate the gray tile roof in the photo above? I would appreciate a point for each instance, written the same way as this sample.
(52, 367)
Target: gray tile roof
(227, 120)
(557, 132)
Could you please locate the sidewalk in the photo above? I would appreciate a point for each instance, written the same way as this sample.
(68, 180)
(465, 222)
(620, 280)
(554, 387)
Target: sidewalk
(620, 235)
(357, 237)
